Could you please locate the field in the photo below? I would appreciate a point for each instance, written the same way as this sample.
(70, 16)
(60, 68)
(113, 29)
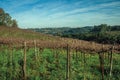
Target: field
(27, 55)
(49, 64)
(60, 40)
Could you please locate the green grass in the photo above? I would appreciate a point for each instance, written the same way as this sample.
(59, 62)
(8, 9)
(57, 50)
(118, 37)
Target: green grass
(9, 32)
(48, 64)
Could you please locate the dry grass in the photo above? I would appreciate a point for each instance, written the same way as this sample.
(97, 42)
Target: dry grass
(16, 37)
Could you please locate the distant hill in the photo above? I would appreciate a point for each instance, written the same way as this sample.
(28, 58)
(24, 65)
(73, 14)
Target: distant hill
(53, 31)
(63, 30)
(101, 33)
(16, 37)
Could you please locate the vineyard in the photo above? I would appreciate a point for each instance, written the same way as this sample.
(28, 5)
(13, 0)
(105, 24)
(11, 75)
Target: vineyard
(26, 55)
(55, 60)
(60, 40)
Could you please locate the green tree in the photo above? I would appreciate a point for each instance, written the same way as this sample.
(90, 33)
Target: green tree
(2, 16)
(101, 28)
(6, 19)
(14, 23)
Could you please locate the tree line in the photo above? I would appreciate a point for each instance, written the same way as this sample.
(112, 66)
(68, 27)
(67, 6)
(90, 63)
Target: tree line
(101, 33)
(6, 19)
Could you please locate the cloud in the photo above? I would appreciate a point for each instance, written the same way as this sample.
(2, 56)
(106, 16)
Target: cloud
(34, 13)
(86, 9)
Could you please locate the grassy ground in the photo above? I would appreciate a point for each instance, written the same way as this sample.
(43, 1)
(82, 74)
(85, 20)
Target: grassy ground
(48, 64)
(9, 32)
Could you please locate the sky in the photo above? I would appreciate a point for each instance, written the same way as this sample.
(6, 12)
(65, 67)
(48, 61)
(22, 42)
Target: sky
(62, 13)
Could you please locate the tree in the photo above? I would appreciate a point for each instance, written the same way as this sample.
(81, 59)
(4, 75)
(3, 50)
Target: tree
(6, 19)
(101, 28)
(14, 23)
(2, 16)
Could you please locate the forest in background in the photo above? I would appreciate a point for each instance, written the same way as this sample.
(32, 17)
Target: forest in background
(102, 33)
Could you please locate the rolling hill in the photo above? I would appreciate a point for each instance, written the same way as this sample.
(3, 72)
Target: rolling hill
(101, 33)
(11, 32)
(17, 37)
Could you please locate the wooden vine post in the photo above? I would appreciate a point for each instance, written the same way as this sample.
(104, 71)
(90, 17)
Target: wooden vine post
(108, 57)
(76, 56)
(35, 50)
(35, 45)
(84, 66)
(13, 66)
(68, 64)
(57, 58)
(9, 72)
(24, 65)
(11, 59)
(101, 58)
(111, 62)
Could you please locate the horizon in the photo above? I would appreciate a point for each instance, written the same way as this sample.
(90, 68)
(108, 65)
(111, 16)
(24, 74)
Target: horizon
(67, 13)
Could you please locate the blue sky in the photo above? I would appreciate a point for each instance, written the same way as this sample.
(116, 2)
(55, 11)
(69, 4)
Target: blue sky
(62, 13)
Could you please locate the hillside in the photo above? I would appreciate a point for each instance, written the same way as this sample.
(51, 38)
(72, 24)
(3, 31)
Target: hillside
(17, 37)
(11, 32)
(101, 33)
(63, 30)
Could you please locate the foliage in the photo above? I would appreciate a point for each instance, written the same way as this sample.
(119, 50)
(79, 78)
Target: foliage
(6, 19)
(50, 64)
(100, 33)
(62, 31)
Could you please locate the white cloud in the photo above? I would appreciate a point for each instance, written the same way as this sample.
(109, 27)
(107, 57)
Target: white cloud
(86, 9)
(53, 14)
